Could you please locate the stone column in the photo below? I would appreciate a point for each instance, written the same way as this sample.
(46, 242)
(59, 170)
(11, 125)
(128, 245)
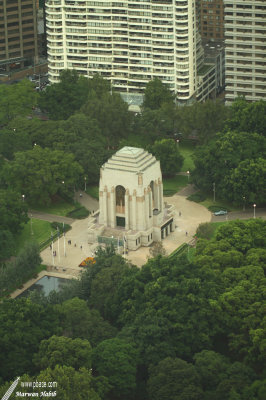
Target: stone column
(127, 209)
(101, 206)
(146, 207)
(156, 194)
(150, 201)
(105, 210)
(160, 195)
(134, 210)
(112, 208)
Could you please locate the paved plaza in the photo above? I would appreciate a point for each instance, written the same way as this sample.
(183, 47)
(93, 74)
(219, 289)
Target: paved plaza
(65, 264)
(69, 256)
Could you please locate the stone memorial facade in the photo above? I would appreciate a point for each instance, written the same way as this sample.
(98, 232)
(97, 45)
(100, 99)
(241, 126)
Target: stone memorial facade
(131, 205)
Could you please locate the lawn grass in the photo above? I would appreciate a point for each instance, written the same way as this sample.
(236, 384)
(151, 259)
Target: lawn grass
(41, 232)
(191, 253)
(208, 202)
(217, 226)
(60, 207)
(187, 151)
(173, 185)
(93, 191)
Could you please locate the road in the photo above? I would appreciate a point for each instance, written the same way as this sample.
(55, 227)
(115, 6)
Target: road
(85, 200)
(247, 214)
(50, 217)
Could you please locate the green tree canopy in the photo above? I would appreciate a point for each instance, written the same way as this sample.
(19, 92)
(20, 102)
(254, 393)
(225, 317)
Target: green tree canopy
(13, 140)
(16, 272)
(231, 155)
(71, 384)
(117, 360)
(59, 350)
(13, 211)
(6, 244)
(62, 99)
(40, 174)
(79, 135)
(247, 117)
(16, 100)
(174, 379)
(212, 369)
(170, 158)
(22, 326)
(78, 321)
(111, 114)
(156, 93)
(203, 120)
(247, 179)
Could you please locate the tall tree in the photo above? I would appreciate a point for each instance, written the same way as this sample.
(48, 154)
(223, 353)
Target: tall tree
(59, 350)
(203, 120)
(221, 159)
(16, 100)
(111, 114)
(247, 117)
(41, 173)
(22, 326)
(13, 211)
(248, 181)
(170, 158)
(174, 379)
(117, 360)
(78, 321)
(62, 99)
(71, 384)
(156, 93)
(12, 140)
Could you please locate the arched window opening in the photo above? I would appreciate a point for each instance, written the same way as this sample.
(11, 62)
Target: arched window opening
(152, 190)
(120, 192)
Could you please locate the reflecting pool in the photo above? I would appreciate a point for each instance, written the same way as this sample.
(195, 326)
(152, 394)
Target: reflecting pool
(46, 284)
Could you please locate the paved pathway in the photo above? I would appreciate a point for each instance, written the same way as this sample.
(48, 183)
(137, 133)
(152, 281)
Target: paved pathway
(68, 256)
(247, 214)
(192, 214)
(188, 190)
(50, 217)
(87, 201)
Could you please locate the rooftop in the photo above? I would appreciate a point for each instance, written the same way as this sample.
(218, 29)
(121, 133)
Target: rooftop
(130, 159)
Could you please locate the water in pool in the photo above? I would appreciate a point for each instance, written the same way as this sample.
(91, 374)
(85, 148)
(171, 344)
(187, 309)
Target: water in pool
(46, 284)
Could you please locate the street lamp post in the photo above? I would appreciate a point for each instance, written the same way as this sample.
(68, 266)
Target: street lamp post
(214, 192)
(23, 197)
(188, 173)
(85, 184)
(254, 214)
(31, 231)
(244, 203)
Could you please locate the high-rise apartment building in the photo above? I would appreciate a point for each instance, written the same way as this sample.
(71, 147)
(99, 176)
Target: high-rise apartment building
(211, 19)
(18, 33)
(245, 49)
(129, 42)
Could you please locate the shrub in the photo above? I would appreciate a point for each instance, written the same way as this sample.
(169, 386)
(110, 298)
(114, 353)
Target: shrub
(59, 225)
(205, 230)
(197, 197)
(79, 213)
